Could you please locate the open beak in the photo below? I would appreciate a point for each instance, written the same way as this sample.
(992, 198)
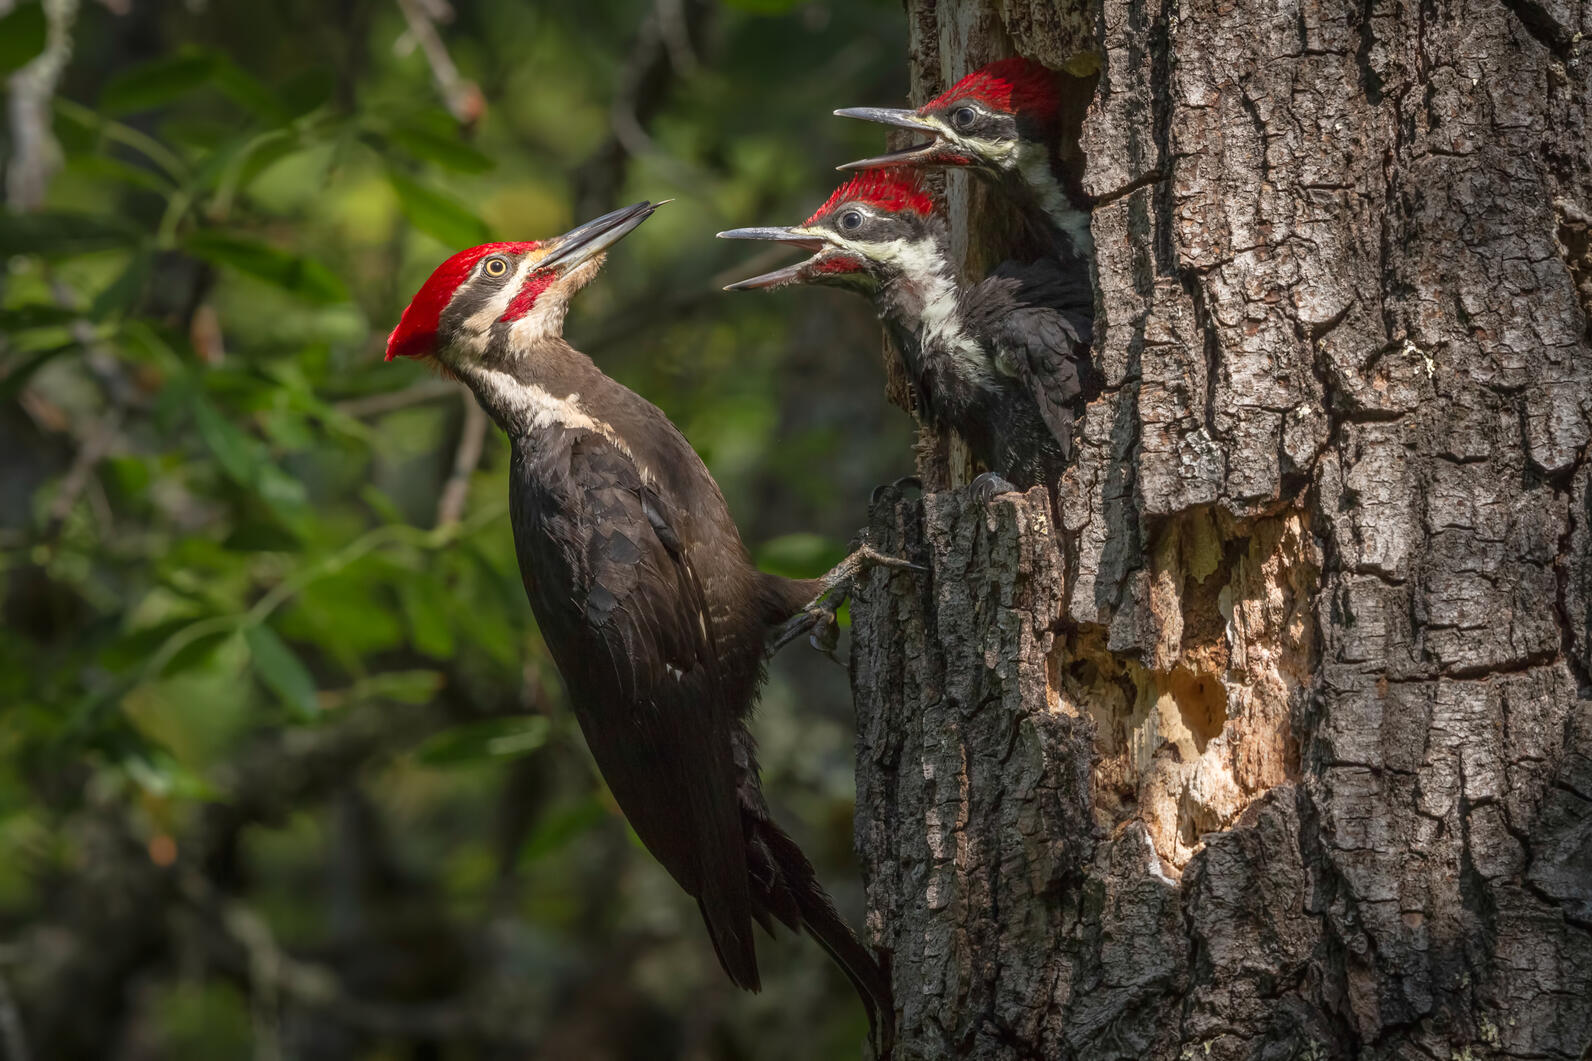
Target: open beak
(900, 119)
(795, 237)
(591, 239)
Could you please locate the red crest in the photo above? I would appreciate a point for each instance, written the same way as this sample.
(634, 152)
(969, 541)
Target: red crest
(891, 190)
(1012, 86)
(416, 333)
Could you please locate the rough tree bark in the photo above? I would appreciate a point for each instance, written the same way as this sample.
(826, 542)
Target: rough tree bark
(1275, 740)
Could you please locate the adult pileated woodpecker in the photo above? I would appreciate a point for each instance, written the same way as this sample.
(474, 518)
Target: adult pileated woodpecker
(642, 588)
(995, 360)
(1003, 122)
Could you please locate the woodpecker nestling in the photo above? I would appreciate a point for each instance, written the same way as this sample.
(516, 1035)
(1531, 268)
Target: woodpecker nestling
(993, 360)
(1003, 122)
(647, 599)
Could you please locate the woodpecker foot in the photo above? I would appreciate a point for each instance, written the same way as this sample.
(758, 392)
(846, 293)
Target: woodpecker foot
(893, 490)
(825, 635)
(817, 617)
(989, 486)
(844, 575)
(820, 625)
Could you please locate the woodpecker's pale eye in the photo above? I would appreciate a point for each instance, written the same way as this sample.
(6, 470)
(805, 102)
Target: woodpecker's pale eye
(851, 220)
(495, 267)
(963, 117)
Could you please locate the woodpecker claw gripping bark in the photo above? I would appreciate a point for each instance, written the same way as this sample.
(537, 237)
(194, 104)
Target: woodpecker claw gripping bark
(817, 616)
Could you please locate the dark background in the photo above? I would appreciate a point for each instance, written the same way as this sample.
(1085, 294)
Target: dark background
(285, 771)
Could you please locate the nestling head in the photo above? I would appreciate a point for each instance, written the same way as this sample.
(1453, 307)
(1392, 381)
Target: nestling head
(876, 227)
(499, 300)
(997, 119)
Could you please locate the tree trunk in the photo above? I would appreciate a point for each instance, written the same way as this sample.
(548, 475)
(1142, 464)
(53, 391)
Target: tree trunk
(1275, 740)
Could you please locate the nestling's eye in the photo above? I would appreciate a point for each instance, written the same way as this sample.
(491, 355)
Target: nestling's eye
(495, 267)
(963, 117)
(851, 220)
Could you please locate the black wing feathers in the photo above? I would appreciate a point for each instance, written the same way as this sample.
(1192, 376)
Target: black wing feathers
(629, 626)
(1037, 316)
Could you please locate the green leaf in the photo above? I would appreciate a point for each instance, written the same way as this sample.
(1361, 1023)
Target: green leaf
(32, 315)
(293, 273)
(233, 449)
(437, 215)
(308, 90)
(23, 34)
(380, 503)
(102, 168)
(244, 461)
(58, 234)
(287, 499)
(425, 607)
(12, 382)
(766, 7)
(159, 773)
(485, 740)
(401, 686)
(130, 476)
(249, 93)
(158, 82)
(799, 555)
(281, 670)
(446, 151)
(123, 293)
(195, 653)
(558, 828)
(132, 650)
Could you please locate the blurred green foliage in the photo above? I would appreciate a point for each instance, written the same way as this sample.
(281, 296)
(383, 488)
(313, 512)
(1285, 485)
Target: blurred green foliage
(284, 769)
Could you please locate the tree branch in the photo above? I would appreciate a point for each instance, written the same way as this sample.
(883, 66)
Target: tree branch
(12, 1037)
(372, 405)
(644, 83)
(35, 156)
(472, 440)
(276, 975)
(461, 95)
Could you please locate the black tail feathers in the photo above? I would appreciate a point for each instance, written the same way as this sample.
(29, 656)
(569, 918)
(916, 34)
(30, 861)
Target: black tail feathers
(785, 886)
(733, 944)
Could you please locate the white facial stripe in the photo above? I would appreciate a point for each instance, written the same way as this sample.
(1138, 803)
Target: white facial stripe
(1000, 152)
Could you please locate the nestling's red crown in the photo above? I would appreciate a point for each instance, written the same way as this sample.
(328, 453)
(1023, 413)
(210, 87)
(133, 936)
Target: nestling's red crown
(892, 190)
(416, 334)
(1012, 86)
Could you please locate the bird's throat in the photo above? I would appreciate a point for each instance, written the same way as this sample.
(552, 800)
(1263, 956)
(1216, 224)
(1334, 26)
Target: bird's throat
(531, 389)
(554, 391)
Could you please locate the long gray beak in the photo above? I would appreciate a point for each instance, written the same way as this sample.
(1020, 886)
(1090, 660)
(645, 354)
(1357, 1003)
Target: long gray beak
(902, 119)
(591, 239)
(778, 278)
(790, 274)
(795, 237)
